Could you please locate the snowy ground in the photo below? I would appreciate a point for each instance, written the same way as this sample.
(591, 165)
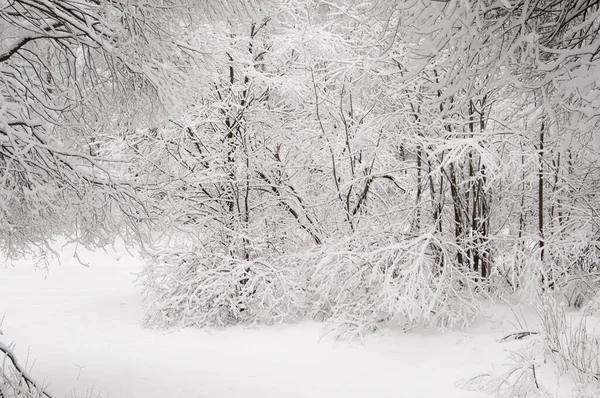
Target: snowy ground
(83, 328)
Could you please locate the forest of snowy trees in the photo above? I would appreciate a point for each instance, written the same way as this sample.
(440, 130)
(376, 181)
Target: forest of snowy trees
(360, 162)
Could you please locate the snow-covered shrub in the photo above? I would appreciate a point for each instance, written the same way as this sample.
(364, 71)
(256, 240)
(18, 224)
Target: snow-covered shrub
(581, 281)
(359, 283)
(572, 346)
(593, 306)
(372, 281)
(570, 267)
(204, 288)
(15, 382)
(520, 375)
(561, 358)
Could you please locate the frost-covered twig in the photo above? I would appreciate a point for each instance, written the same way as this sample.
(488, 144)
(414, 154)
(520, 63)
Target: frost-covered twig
(14, 379)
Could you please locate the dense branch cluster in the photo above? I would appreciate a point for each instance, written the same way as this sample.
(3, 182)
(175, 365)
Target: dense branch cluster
(365, 163)
(69, 81)
(382, 163)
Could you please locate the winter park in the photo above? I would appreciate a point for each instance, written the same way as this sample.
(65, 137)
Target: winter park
(299, 198)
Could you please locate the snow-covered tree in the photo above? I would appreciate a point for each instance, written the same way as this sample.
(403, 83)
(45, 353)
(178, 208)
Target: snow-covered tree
(75, 76)
(332, 146)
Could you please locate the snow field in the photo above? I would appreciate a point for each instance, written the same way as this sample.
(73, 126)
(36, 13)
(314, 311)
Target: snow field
(81, 328)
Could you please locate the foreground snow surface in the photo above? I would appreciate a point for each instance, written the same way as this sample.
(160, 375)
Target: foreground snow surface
(80, 327)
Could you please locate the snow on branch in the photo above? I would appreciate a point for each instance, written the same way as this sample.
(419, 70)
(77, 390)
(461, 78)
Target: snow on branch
(15, 382)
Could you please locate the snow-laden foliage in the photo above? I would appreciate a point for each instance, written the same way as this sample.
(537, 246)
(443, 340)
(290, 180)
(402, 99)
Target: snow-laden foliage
(365, 163)
(573, 347)
(381, 163)
(204, 288)
(74, 75)
(561, 357)
(15, 381)
(360, 285)
(374, 163)
(368, 283)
